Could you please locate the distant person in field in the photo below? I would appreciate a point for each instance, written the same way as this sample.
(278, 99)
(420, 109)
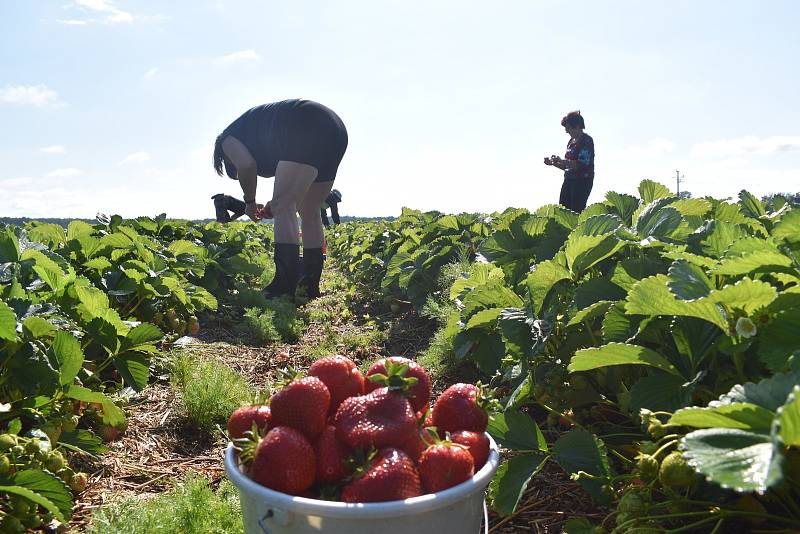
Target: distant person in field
(301, 144)
(577, 164)
(223, 204)
(331, 202)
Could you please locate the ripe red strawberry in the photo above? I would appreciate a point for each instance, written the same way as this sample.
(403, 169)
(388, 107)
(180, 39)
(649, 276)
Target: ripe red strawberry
(284, 461)
(417, 443)
(477, 444)
(418, 394)
(242, 419)
(380, 419)
(391, 476)
(458, 409)
(444, 465)
(302, 404)
(341, 376)
(331, 456)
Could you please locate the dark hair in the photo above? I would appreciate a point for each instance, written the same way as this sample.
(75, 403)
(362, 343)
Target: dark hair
(573, 119)
(220, 158)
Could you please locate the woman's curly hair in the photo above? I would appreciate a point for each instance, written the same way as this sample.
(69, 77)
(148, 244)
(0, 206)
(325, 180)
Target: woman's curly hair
(573, 119)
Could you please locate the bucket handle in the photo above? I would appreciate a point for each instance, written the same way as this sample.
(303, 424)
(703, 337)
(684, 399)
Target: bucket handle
(277, 515)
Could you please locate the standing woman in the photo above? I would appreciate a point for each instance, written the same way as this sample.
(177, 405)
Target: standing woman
(577, 164)
(301, 144)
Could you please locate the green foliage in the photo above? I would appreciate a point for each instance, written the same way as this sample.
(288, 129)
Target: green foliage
(278, 320)
(210, 391)
(192, 507)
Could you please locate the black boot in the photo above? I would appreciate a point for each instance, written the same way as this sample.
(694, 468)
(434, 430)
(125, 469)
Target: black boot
(312, 271)
(287, 258)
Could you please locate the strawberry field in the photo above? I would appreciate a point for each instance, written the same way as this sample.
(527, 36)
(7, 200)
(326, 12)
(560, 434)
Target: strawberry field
(642, 359)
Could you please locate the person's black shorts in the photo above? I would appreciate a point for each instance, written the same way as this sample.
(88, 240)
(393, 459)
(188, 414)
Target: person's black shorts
(316, 136)
(575, 193)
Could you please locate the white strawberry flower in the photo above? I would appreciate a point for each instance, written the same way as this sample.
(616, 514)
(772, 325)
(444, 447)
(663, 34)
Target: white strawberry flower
(745, 327)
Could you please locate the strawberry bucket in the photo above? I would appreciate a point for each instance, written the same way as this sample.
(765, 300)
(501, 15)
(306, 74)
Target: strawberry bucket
(460, 509)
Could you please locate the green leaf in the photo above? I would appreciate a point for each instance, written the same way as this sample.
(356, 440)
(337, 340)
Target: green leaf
(618, 354)
(37, 328)
(34, 497)
(511, 480)
(687, 281)
(599, 225)
(47, 269)
(513, 429)
(735, 459)
(746, 295)
(715, 238)
(48, 486)
(78, 229)
(48, 233)
(487, 352)
(688, 207)
(661, 392)
(650, 191)
(741, 415)
(580, 450)
(624, 205)
(582, 251)
(769, 393)
(653, 297)
(616, 325)
(751, 206)
(8, 322)
(82, 441)
(789, 417)
(545, 275)
(67, 352)
(484, 319)
(763, 261)
(134, 369)
(656, 221)
(94, 301)
(590, 312)
(788, 227)
(112, 415)
(142, 334)
(580, 525)
(596, 290)
(779, 339)
(9, 246)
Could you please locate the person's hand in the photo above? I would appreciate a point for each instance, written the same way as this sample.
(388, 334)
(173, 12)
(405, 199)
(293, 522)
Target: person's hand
(252, 210)
(548, 161)
(266, 212)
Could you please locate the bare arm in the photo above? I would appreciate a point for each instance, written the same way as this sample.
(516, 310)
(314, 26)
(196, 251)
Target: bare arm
(246, 171)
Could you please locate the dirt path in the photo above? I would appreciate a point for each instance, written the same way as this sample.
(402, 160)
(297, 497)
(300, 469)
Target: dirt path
(158, 448)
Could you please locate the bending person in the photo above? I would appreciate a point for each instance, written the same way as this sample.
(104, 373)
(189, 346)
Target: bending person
(577, 164)
(226, 203)
(301, 144)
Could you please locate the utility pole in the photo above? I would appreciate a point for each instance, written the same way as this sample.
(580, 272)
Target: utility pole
(678, 180)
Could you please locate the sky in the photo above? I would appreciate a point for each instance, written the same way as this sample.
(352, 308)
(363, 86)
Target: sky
(112, 106)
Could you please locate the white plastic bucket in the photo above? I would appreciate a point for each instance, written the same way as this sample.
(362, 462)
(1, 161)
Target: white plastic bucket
(456, 510)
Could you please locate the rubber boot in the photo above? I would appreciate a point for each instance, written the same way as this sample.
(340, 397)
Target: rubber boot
(313, 260)
(287, 258)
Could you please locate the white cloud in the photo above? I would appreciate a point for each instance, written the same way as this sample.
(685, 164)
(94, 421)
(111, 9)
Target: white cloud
(150, 73)
(11, 183)
(109, 12)
(749, 145)
(653, 148)
(136, 157)
(64, 173)
(72, 22)
(241, 55)
(54, 149)
(34, 95)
